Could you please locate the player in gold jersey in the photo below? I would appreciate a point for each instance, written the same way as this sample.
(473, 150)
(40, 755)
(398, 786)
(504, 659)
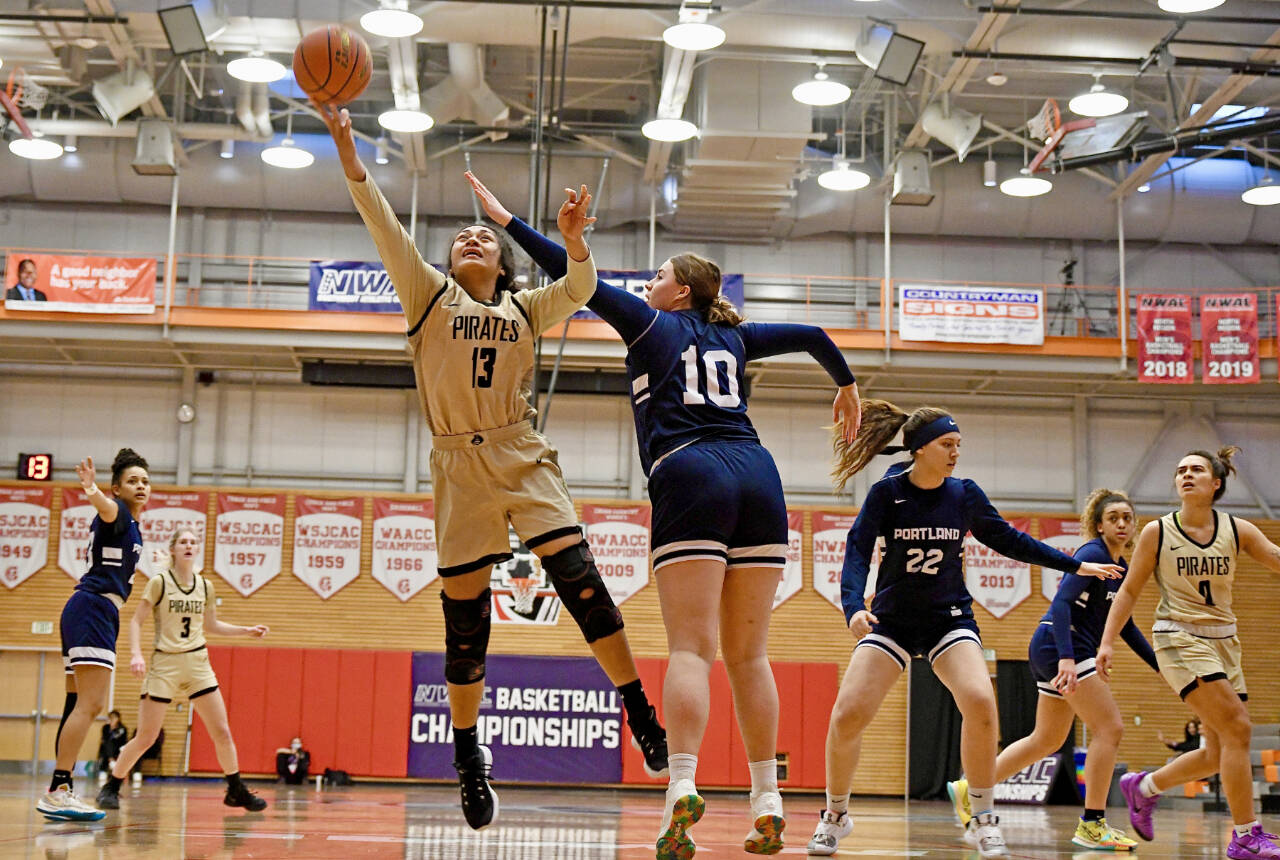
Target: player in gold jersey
(1193, 553)
(472, 340)
(181, 602)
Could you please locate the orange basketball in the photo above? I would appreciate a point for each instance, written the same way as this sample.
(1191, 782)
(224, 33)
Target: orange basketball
(332, 64)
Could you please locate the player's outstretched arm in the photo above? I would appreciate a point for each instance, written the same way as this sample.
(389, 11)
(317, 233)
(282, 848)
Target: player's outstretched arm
(994, 531)
(1256, 544)
(762, 340)
(1141, 566)
(338, 121)
(108, 508)
(222, 628)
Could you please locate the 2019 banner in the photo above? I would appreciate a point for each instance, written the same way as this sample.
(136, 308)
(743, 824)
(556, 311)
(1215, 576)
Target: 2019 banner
(99, 285)
(1164, 339)
(1229, 339)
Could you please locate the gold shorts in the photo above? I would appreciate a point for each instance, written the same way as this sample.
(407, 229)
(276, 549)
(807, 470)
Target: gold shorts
(485, 480)
(1186, 660)
(179, 675)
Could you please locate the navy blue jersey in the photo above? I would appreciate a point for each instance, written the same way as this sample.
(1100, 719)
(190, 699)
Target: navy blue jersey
(114, 550)
(688, 376)
(922, 568)
(1079, 610)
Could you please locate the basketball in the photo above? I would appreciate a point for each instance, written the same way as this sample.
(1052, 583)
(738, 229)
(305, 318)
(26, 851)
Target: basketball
(333, 65)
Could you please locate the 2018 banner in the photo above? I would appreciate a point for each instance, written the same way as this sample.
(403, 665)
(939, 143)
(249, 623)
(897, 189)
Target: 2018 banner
(326, 542)
(101, 285)
(732, 287)
(619, 539)
(73, 532)
(248, 543)
(404, 545)
(165, 514)
(546, 719)
(24, 532)
(998, 584)
(968, 314)
(1229, 339)
(1164, 339)
(1062, 534)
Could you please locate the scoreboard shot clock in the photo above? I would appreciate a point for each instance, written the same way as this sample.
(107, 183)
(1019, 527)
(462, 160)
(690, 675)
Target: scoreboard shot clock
(35, 467)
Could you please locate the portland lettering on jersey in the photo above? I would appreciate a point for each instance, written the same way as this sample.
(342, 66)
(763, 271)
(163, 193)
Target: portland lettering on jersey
(1210, 566)
(927, 533)
(477, 327)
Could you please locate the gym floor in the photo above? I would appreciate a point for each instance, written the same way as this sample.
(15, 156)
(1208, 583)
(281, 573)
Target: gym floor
(186, 819)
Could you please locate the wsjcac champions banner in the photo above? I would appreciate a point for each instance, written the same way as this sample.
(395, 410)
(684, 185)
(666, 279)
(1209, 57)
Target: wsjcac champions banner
(165, 514)
(998, 584)
(546, 719)
(248, 544)
(326, 543)
(1164, 339)
(404, 545)
(101, 285)
(24, 532)
(73, 532)
(1229, 339)
(966, 314)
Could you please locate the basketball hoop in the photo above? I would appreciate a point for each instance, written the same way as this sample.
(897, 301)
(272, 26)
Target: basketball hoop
(523, 590)
(1046, 121)
(25, 92)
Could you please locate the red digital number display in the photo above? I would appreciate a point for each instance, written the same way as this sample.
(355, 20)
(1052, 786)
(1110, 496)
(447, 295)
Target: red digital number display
(35, 467)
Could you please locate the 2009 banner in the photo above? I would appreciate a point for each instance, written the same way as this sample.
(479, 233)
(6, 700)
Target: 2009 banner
(1164, 339)
(1229, 339)
(619, 539)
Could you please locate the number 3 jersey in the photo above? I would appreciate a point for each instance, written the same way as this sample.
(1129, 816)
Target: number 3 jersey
(922, 567)
(1195, 579)
(178, 613)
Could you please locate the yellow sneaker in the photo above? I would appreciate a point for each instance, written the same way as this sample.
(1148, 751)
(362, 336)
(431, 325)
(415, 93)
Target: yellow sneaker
(1101, 836)
(958, 791)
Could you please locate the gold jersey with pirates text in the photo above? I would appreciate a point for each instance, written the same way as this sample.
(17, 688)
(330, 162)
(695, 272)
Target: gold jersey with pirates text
(1195, 579)
(473, 360)
(178, 612)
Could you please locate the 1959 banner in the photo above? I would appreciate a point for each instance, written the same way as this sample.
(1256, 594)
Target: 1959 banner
(961, 313)
(326, 542)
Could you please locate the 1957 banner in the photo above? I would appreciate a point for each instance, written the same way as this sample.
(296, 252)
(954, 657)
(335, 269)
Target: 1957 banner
(101, 285)
(961, 313)
(248, 543)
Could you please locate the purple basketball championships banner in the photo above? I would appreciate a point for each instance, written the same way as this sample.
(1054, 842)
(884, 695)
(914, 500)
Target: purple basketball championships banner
(546, 719)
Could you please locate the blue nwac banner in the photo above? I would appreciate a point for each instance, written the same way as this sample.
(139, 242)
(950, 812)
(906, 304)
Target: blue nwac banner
(546, 719)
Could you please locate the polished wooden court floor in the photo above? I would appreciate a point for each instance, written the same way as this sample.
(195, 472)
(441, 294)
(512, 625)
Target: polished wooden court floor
(186, 819)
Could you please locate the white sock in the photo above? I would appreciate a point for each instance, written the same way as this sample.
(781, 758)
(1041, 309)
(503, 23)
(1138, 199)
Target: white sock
(838, 805)
(1148, 787)
(980, 800)
(682, 766)
(764, 776)
(1243, 829)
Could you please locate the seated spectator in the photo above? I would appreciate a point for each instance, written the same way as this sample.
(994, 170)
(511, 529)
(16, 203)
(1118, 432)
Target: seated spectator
(115, 734)
(1190, 740)
(293, 762)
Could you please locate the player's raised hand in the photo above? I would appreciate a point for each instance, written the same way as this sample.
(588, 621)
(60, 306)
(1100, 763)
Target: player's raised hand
(338, 121)
(1102, 571)
(488, 201)
(847, 411)
(85, 472)
(860, 623)
(572, 219)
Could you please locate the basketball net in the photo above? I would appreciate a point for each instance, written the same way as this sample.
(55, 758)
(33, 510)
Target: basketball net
(1046, 121)
(25, 92)
(523, 590)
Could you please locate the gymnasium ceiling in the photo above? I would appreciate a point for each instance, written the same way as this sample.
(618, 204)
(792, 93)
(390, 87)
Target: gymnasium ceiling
(751, 174)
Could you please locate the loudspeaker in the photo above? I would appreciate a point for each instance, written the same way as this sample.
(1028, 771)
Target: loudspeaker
(911, 179)
(956, 128)
(155, 154)
(118, 94)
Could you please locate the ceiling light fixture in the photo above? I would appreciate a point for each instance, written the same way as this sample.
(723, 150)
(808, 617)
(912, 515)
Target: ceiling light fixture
(1144, 188)
(1098, 101)
(1025, 185)
(228, 149)
(392, 19)
(380, 155)
(287, 154)
(70, 143)
(406, 121)
(989, 172)
(1265, 193)
(35, 148)
(256, 69)
(669, 130)
(693, 32)
(821, 90)
(1188, 7)
(843, 177)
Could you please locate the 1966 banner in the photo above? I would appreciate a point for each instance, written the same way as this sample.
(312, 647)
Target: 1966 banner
(1229, 339)
(24, 532)
(404, 545)
(546, 719)
(1164, 339)
(619, 538)
(165, 514)
(248, 543)
(1062, 534)
(998, 584)
(73, 532)
(326, 542)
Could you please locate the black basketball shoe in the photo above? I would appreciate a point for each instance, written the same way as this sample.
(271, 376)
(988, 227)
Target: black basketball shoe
(240, 795)
(648, 736)
(109, 796)
(479, 800)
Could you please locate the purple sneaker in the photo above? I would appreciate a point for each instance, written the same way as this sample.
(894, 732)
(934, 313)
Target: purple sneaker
(1257, 843)
(1140, 807)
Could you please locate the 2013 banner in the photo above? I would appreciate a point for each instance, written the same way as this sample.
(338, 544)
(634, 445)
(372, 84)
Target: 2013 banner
(248, 543)
(1229, 339)
(24, 532)
(1164, 339)
(830, 530)
(100, 285)
(998, 584)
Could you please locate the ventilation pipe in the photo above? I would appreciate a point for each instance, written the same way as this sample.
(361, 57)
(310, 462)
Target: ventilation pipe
(464, 94)
(253, 109)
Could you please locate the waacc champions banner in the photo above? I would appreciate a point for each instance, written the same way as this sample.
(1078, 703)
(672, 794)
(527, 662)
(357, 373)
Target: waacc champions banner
(546, 719)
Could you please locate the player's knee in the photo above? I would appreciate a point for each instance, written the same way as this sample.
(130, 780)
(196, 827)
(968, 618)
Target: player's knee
(977, 710)
(92, 703)
(577, 581)
(850, 715)
(466, 638)
(1236, 730)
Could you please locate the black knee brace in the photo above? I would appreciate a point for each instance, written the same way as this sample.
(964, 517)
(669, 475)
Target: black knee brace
(573, 573)
(466, 638)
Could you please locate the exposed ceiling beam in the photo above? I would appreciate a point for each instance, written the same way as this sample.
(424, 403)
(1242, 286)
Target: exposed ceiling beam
(120, 43)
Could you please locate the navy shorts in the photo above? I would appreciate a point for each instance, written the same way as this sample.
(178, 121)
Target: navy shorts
(1042, 654)
(719, 500)
(89, 626)
(922, 636)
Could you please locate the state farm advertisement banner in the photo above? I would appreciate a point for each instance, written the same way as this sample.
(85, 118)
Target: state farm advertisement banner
(102, 285)
(793, 573)
(1229, 339)
(961, 313)
(24, 532)
(73, 532)
(404, 545)
(1164, 339)
(998, 584)
(830, 530)
(619, 539)
(165, 514)
(1061, 533)
(248, 539)
(326, 542)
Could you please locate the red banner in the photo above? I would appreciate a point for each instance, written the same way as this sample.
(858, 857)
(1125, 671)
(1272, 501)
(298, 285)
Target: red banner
(248, 543)
(165, 514)
(998, 584)
(24, 532)
(793, 574)
(619, 539)
(404, 545)
(1229, 339)
(326, 542)
(1164, 339)
(73, 533)
(1062, 534)
(830, 531)
(102, 285)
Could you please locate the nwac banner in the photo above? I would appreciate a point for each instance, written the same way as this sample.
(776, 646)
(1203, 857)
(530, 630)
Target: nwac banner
(1229, 339)
(350, 285)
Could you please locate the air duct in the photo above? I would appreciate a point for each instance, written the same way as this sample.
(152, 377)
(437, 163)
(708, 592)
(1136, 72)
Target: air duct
(464, 94)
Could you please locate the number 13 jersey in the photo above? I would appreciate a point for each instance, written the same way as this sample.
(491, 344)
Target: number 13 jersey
(1195, 579)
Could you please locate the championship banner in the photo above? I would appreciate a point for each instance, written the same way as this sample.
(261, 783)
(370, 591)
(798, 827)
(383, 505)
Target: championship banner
(830, 530)
(546, 719)
(248, 543)
(966, 314)
(1229, 339)
(619, 539)
(998, 584)
(1062, 534)
(1031, 784)
(326, 542)
(519, 591)
(165, 514)
(101, 285)
(793, 573)
(404, 545)
(73, 532)
(24, 532)
(732, 287)
(1164, 339)
(348, 285)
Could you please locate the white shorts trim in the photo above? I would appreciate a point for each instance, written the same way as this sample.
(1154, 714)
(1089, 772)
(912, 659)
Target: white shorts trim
(766, 555)
(955, 637)
(1084, 669)
(688, 550)
(887, 645)
(85, 656)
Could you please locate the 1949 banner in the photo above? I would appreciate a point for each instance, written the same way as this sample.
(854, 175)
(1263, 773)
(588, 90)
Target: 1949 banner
(1164, 339)
(58, 282)
(24, 532)
(1229, 339)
